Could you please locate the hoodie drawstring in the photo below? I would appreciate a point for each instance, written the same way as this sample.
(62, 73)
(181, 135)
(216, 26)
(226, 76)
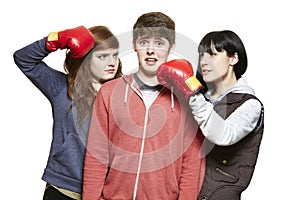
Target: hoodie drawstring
(172, 99)
(126, 94)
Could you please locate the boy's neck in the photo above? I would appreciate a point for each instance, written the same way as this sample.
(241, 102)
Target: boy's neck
(144, 86)
(150, 80)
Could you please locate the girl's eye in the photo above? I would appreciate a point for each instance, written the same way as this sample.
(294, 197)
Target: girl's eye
(102, 57)
(213, 53)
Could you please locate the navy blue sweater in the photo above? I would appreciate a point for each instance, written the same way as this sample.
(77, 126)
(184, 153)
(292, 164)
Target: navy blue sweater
(65, 163)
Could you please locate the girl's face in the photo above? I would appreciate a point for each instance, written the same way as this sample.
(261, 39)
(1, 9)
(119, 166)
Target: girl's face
(104, 64)
(216, 66)
(151, 52)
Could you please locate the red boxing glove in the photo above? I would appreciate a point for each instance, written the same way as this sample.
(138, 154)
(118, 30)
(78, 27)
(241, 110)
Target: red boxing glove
(179, 74)
(79, 40)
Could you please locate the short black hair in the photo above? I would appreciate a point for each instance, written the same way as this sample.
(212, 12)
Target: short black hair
(230, 42)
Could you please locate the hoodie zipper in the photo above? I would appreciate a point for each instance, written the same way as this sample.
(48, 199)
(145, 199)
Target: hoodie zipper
(141, 155)
(144, 129)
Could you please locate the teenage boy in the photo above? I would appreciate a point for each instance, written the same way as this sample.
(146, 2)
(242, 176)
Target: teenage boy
(143, 142)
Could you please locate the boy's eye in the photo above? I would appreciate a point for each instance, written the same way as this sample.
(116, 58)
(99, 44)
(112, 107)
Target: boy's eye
(143, 42)
(158, 43)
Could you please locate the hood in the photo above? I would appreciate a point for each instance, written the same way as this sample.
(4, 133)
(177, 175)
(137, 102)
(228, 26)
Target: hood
(240, 87)
(131, 83)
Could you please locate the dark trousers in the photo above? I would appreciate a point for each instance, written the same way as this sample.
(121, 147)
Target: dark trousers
(53, 194)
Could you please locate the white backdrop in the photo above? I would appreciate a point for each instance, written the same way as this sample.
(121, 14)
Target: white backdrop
(267, 28)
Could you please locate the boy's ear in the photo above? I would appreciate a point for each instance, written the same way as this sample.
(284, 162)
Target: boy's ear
(172, 48)
(133, 46)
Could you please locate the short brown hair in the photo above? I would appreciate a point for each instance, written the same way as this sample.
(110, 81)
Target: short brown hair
(154, 24)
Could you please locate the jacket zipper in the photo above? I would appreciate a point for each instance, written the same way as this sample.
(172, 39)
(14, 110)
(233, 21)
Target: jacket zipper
(225, 173)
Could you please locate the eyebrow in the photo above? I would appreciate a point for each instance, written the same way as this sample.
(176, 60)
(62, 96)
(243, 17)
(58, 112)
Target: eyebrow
(107, 53)
(144, 37)
(151, 36)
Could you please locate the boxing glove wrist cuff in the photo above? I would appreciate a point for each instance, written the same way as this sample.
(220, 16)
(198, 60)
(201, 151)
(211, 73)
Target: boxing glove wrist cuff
(193, 83)
(53, 36)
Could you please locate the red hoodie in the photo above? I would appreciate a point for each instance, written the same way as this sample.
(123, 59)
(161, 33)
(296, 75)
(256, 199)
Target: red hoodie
(135, 152)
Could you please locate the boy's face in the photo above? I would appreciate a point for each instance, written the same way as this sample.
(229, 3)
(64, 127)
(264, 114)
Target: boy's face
(152, 52)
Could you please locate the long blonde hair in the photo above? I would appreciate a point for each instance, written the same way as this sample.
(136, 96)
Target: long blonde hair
(80, 88)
